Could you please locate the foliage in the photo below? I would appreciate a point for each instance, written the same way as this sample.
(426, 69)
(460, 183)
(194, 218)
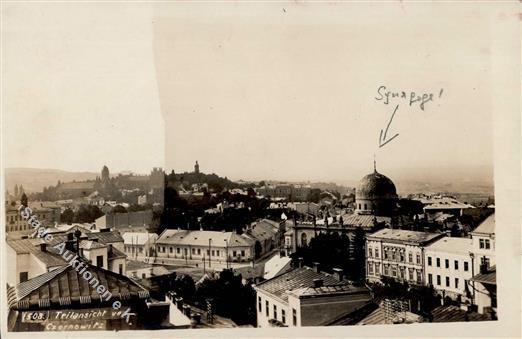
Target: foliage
(87, 214)
(119, 209)
(67, 216)
(23, 200)
(231, 298)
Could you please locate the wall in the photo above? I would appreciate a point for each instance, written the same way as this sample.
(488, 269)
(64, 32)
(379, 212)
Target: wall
(450, 272)
(262, 319)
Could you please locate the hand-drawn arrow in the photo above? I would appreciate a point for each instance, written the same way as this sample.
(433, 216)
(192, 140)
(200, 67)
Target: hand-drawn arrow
(382, 139)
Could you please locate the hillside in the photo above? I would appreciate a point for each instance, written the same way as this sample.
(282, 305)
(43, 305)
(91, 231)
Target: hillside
(35, 179)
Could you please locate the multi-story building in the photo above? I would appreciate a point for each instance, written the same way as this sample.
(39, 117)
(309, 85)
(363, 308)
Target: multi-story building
(30, 257)
(305, 296)
(448, 266)
(213, 246)
(125, 220)
(47, 216)
(139, 245)
(397, 254)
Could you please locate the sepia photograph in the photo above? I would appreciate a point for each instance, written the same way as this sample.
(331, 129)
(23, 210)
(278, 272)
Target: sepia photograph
(258, 168)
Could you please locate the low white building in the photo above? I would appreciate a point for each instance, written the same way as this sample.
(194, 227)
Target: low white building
(139, 245)
(448, 266)
(398, 254)
(209, 245)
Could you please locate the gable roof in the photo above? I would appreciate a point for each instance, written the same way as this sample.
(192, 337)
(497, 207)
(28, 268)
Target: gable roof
(295, 279)
(407, 236)
(65, 285)
(487, 226)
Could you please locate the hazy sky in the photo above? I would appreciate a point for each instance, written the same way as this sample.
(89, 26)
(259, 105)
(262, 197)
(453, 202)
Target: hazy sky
(281, 91)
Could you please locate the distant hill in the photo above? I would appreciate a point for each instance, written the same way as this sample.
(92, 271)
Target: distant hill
(35, 179)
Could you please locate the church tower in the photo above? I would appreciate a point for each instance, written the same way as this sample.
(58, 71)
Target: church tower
(196, 168)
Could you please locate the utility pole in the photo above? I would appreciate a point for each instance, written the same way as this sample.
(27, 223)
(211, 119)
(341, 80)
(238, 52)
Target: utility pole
(209, 261)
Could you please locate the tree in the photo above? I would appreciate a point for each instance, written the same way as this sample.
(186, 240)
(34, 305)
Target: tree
(23, 199)
(119, 209)
(359, 260)
(67, 216)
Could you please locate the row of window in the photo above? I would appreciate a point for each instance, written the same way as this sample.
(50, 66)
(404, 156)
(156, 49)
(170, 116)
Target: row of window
(212, 253)
(447, 264)
(275, 312)
(447, 281)
(133, 249)
(395, 272)
(394, 255)
(16, 217)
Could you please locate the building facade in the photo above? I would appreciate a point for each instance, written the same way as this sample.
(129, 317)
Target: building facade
(397, 254)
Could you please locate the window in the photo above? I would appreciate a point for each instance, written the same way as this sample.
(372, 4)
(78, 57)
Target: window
(163, 250)
(377, 269)
(24, 276)
(394, 271)
(376, 252)
(208, 253)
(193, 251)
(393, 255)
(199, 251)
(143, 276)
(481, 243)
(178, 250)
(213, 253)
(217, 252)
(419, 277)
(283, 316)
(465, 266)
(385, 254)
(259, 304)
(430, 279)
(369, 252)
(120, 269)
(484, 261)
(99, 260)
(304, 241)
(267, 305)
(242, 253)
(487, 244)
(370, 268)
(438, 262)
(447, 281)
(438, 280)
(275, 312)
(410, 257)
(446, 263)
(456, 263)
(401, 272)
(386, 270)
(364, 206)
(141, 249)
(456, 282)
(234, 253)
(410, 274)
(418, 259)
(170, 249)
(401, 256)
(429, 261)
(294, 316)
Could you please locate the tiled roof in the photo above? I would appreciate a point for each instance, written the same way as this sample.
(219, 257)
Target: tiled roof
(364, 221)
(106, 237)
(487, 226)
(132, 265)
(489, 278)
(262, 230)
(65, 285)
(404, 236)
(294, 279)
(443, 314)
(90, 244)
(354, 317)
(115, 253)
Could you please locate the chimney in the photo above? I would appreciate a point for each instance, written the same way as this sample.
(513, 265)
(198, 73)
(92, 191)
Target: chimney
(338, 272)
(318, 283)
(43, 247)
(316, 266)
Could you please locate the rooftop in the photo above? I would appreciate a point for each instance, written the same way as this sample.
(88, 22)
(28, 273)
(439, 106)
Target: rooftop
(138, 238)
(404, 236)
(487, 226)
(452, 245)
(489, 277)
(201, 238)
(64, 285)
(443, 314)
(294, 279)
